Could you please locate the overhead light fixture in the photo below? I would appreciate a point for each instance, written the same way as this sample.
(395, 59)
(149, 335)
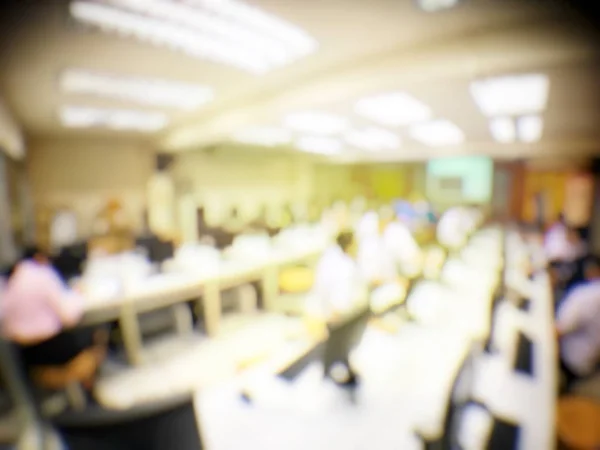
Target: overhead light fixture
(437, 133)
(373, 139)
(503, 129)
(530, 128)
(265, 136)
(116, 119)
(224, 31)
(436, 5)
(392, 109)
(316, 122)
(320, 145)
(146, 91)
(511, 95)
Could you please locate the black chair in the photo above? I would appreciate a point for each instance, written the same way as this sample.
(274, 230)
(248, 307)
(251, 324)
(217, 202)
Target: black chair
(166, 425)
(524, 361)
(69, 261)
(157, 249)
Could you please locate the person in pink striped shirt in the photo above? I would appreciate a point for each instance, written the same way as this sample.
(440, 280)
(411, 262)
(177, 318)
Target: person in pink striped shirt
(38, 312)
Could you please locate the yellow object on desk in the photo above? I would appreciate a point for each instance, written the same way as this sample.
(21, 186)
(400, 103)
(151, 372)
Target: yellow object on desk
(296, 279)
(253, 360)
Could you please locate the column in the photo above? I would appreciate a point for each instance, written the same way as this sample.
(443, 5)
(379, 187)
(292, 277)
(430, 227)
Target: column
(8, 251)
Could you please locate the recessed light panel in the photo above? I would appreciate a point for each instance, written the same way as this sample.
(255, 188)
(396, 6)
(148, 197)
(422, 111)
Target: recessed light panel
(373, 139)
(224, 31)
(437, 133)
(392, 109)
(530, 128)
(145, 91)
(315, 122)
(511, 95)
(116, 119)
(319, 145)
(503, 129)
(265, 136)
(436, 5)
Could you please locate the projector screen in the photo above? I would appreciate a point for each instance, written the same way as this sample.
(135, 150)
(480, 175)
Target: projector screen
(460, 180)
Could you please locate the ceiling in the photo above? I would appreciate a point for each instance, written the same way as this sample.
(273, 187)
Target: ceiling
(364, 47)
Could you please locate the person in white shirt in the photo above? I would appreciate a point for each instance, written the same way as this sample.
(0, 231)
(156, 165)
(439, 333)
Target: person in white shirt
(375, 259)
(338, 285)
(452, 228)
(561, 242)
(339, 302)
(367, 225)
(578, 325)
(403, 248)
(557, 230)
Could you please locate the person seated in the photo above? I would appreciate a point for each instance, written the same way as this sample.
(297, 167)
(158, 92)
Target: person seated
(566, 259)
(234, 224)
(375, 259)
(403, 247)
(563, 243)
(557, 232)
(315, 212)
(287, 218)
(263, 223)
(452, 228)
(578, 325)
(38, 313)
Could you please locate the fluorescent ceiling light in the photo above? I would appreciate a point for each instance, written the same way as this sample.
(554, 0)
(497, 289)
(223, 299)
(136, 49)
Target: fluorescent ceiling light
(254, 18)
(320, 145)
(511, 95)
(436, 5)
(503, 129)
(266, 136)
(316, 122)
(224, 31)
(116, 119)
(373, 139)
(393, 109)
(146, 91)
(530, 128)
(437, 133)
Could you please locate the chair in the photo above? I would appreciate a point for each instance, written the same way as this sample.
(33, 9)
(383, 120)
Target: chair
(70, 259)
(577, 422)
(158, 250)
(15, 380)
(524, 356)
(170, 424)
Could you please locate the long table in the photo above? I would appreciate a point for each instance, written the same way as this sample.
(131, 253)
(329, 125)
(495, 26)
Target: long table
(205, 287)
(523, 392)
(165, 394)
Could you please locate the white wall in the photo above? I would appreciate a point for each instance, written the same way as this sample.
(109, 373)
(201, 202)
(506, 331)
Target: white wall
(246, 180)
(83, 174)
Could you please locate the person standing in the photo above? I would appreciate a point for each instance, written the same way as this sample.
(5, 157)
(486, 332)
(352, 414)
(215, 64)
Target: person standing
(338, 306)
(338, 284)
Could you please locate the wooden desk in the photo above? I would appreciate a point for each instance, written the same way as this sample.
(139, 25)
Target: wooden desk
(166, 290)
